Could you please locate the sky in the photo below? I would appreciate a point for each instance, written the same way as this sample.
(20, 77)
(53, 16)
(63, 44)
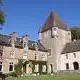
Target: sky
(25, 16)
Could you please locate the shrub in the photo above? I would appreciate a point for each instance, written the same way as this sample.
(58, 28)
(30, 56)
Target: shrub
(13, 74)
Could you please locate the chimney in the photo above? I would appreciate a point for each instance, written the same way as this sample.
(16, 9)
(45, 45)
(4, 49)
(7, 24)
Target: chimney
(13, 38)
(25, 38)
(36, 46)
(25, 41)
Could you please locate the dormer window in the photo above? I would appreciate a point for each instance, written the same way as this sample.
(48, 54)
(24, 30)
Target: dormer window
(33, 44)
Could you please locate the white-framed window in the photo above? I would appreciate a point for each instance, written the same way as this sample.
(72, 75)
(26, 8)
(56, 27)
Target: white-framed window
(49, 53)
(43, 57)
(12, 54)
(11, 66)
(0, 66)
(25, 55)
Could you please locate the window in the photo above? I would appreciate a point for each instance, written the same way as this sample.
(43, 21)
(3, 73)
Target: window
(66, 56)
(11, 66)
(43, 57)
(36, 68)
(49, 52)
(0, 66)
(12, 54)
(0, 55)
(74, 55)
(69, 33)
(67, 65)
(25, 55)
(51, 68)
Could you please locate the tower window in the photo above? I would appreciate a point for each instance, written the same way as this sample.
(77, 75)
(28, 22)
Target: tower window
(67, 65)
(49, 52)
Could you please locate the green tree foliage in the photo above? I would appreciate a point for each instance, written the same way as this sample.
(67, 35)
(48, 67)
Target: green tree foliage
(2, 16)
(75, 33)
(18, 67)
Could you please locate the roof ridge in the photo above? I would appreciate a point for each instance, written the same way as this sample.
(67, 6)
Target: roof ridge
(52, 21)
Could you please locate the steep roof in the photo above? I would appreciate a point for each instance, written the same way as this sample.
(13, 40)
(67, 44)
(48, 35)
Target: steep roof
(71, 47)
(5, 40)
(52, 21)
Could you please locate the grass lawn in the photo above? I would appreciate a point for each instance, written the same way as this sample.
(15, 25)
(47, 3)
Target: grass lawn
(48, 77)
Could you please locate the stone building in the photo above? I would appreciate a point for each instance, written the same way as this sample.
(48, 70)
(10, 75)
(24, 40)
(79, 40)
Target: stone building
(12, 49)
(53, 52)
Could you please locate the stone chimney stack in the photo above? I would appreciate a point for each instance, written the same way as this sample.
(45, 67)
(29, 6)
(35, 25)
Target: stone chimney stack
(13, 38)
(36, 46)
(25, 41)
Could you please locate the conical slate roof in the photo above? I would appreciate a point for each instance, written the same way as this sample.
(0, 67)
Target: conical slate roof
(52, 21)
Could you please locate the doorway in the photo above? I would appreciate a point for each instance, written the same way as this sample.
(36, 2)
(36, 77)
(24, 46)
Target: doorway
(76, 65)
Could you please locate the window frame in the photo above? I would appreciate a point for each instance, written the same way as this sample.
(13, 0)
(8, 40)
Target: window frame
(67, 66)
(11, 65)
(12, 54)
(1, 66)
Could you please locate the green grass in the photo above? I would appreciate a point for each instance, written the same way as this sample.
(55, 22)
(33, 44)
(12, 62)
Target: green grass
(48, 77)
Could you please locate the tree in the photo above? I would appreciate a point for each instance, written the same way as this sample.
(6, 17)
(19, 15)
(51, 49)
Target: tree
(75, 33)
(2, 16)
(18, 67)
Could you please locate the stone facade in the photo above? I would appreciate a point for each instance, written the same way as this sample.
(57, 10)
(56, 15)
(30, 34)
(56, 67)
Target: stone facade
(52, 53)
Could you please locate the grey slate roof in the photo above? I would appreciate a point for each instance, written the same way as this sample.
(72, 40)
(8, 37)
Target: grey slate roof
(5, 40)
(50, 23)
(71, 47)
